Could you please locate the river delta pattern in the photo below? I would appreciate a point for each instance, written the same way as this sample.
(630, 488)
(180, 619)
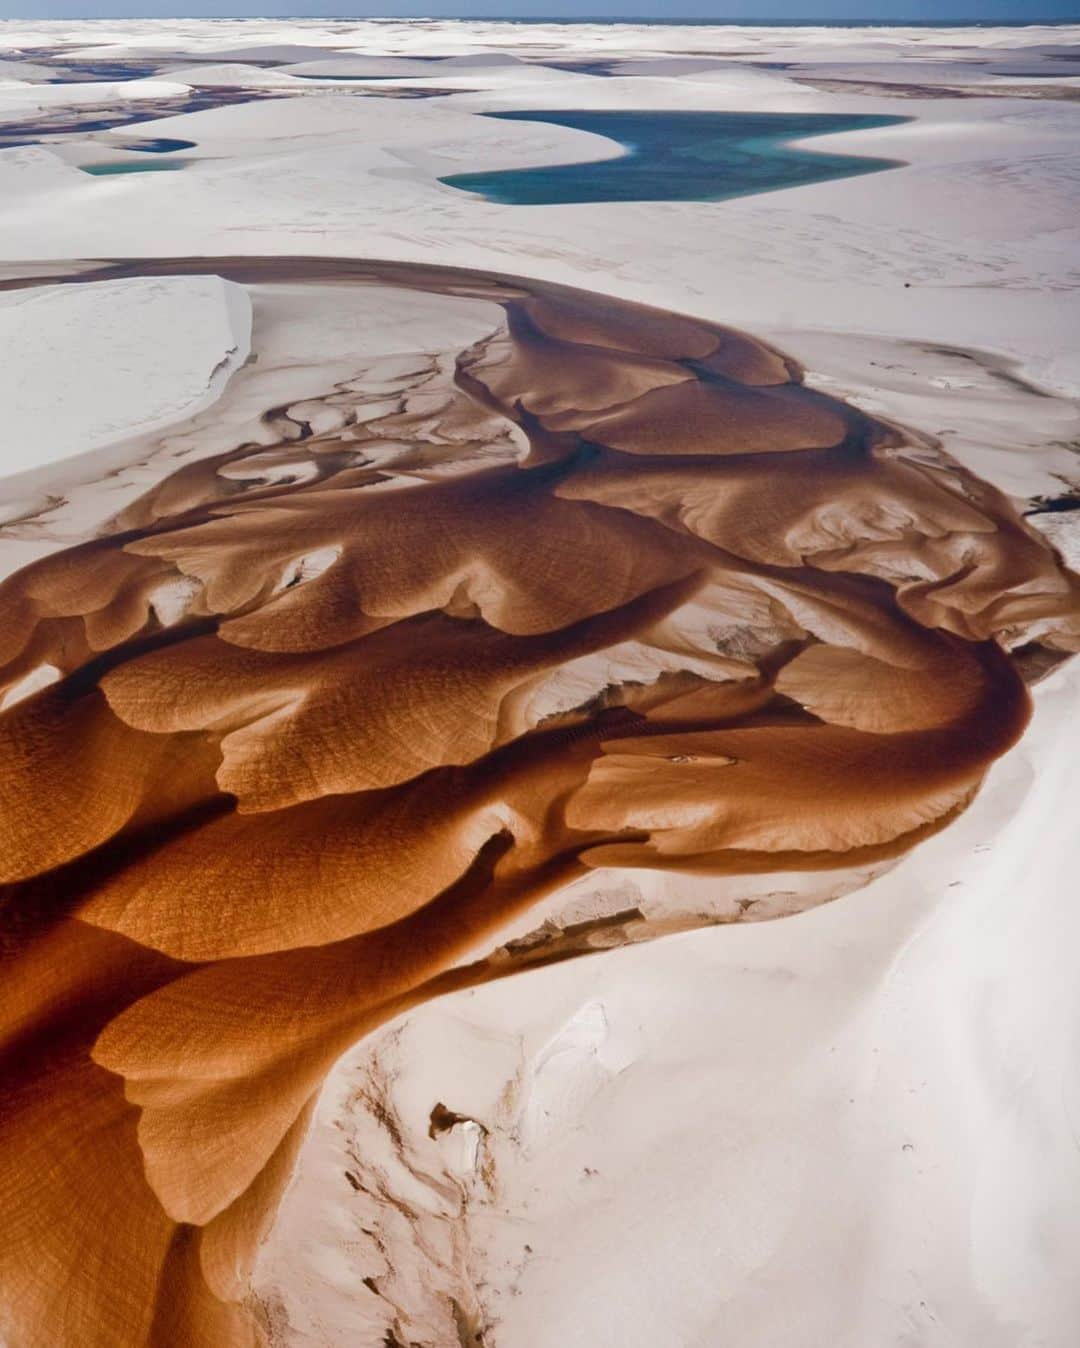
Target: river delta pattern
(311, 747)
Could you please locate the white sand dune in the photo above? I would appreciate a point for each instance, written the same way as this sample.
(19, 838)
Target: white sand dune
(24, 102)
(231, 74)
(24, 72)
(363, 67)
(93, 365)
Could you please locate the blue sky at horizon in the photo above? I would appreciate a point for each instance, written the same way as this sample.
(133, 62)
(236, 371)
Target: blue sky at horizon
(989, 11)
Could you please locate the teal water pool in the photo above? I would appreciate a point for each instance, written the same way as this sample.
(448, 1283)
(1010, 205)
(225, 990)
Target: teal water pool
(681, 156)
(131, 166)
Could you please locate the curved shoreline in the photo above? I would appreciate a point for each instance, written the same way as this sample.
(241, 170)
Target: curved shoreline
(756, 156)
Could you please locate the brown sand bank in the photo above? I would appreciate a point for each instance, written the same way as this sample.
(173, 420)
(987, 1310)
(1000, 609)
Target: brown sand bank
(309, 748)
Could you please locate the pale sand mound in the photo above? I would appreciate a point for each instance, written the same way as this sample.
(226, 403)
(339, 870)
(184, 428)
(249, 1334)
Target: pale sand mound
(88, 366)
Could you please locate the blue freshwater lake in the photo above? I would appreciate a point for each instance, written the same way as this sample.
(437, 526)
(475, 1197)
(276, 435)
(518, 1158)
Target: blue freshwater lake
(681, 156)
(132, 166)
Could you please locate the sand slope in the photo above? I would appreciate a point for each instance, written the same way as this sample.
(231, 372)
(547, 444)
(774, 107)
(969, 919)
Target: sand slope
(137, 356)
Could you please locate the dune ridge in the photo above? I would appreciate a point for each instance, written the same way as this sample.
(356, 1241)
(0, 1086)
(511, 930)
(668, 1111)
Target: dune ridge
(330, 714)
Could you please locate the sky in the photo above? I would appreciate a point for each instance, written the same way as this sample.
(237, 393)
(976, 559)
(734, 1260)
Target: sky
(779, 10)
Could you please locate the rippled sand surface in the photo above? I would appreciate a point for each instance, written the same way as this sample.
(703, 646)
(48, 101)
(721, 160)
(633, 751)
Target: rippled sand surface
(332, 713)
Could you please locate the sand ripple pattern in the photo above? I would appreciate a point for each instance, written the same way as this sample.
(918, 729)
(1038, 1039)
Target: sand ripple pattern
(694, 616)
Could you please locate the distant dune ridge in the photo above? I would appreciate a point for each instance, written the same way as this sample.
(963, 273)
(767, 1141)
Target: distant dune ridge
(331, 713)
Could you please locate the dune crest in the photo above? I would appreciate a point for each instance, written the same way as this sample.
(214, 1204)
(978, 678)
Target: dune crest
(320, 732)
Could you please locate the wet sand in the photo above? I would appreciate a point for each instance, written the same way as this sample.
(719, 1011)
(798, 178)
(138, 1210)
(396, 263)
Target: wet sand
(309, 751)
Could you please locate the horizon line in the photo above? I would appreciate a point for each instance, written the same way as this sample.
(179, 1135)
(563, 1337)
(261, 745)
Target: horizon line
(1026, 21)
